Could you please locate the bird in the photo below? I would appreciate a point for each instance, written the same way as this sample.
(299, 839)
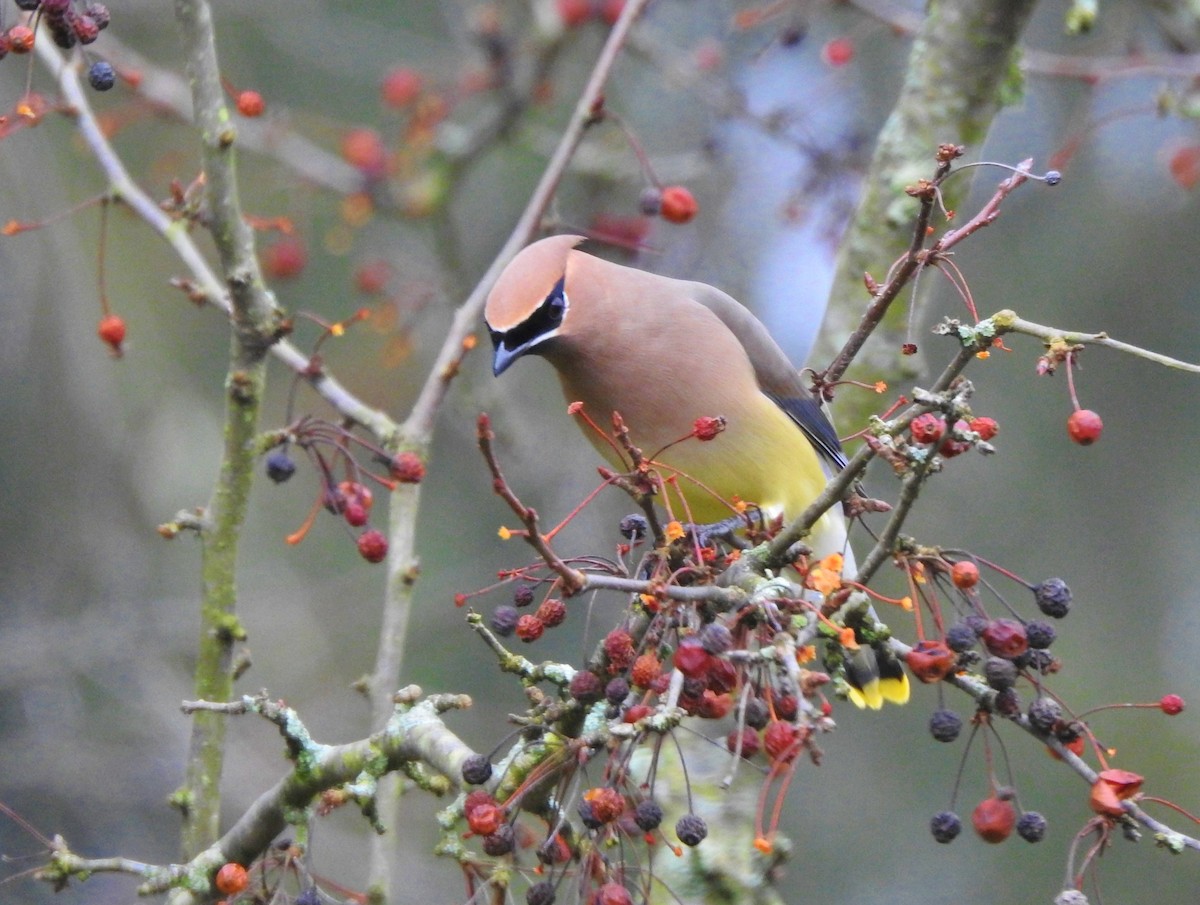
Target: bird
(663, 353)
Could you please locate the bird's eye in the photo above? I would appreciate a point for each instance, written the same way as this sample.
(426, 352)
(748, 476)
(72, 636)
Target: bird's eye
(555, 305)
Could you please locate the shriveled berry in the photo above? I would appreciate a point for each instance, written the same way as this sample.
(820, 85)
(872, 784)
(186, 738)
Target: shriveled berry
(1053, 597)
(945, 725)
(607, 803)
(485, 819)
(722, 675)
(1005, 638)
(1044, 713)
(1007, 702)
(280, 466)
(994, 819)
(99, 14)
(407, 468)
(618, 647)
(1040, 634)
(476, 770)
(749, 739)
(552, 612)
(634, 527)
(707, 428)
(1171, 704)
(678, 204)
(757, 713)
(927, 428)
(372, 546)
(504, 620)
(964, 574)
(86, 30)
(945, 827)
(523, 595)
(645, 670)
(530, 628)
(540, 894)
(961, 637)
(786, 706)
(951, 445)
(691, 658)
(1031, 826)
(616, 691)
(715, 638)
(779, 741)
(647, 815)
(691, 829)
(930, 661)
(1084, 427)
(1000, 673)
(500, 842)
(586, 687)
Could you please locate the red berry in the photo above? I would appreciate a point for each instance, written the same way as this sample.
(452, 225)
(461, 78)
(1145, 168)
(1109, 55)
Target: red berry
(607, 803)
(354, 492)
(837, 52)
(484, 819)
(722, 675)
(618, 647)
(706, 427)
(951, 446)
(985, 427)
(612, 893)
(530, 628)
(476, 799)
(111, 329)
(964, 574)
(750, 742)
(363, 149)
(691, 658)
(250, 104)
(1185, 166)
(371, 277)
(1171, 704)
(231, 879)
(779, 741)
(931, 661)
(372, 546)
(552, 612)
(635, 713)
(573, 12)
(401, 86)
(285, 258)
(927, 428)
(355, 515)
(678, 204)
(1005, 638)
(407, 468)
(645, 670)
(20, 39)
(1084, 426)
(994, 819)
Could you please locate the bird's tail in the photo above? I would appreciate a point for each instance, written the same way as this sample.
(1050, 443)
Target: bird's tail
(873, 673)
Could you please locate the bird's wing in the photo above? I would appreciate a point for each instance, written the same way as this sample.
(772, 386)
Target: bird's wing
(777, 376)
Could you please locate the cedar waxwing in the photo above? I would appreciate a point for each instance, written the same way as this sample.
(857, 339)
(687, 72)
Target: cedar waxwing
(663, 353)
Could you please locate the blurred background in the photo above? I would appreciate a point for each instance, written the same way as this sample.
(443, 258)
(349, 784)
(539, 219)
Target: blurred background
(768, 114)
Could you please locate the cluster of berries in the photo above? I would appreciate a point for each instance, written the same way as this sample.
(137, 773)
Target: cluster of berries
(68, 26)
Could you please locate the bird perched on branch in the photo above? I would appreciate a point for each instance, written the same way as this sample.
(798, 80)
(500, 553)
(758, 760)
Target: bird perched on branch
(664, 353)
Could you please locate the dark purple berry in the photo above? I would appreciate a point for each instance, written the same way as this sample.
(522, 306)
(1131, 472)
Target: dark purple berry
(1040, 634)
(716, 638)
(540, 894)
(504, 620)
(634, 527)
(757, 713)
(1000, 673)
(647, 815)
(1044, 713)
(280, 466)
(616, 691)
(476, 770)
(523, 595)
(1053, 597)
(1031, 826)
(945, 725)
(102, 76)
(691, 829)
(1007, 702)
(945, 826)
(961, 637)
(500, 842)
